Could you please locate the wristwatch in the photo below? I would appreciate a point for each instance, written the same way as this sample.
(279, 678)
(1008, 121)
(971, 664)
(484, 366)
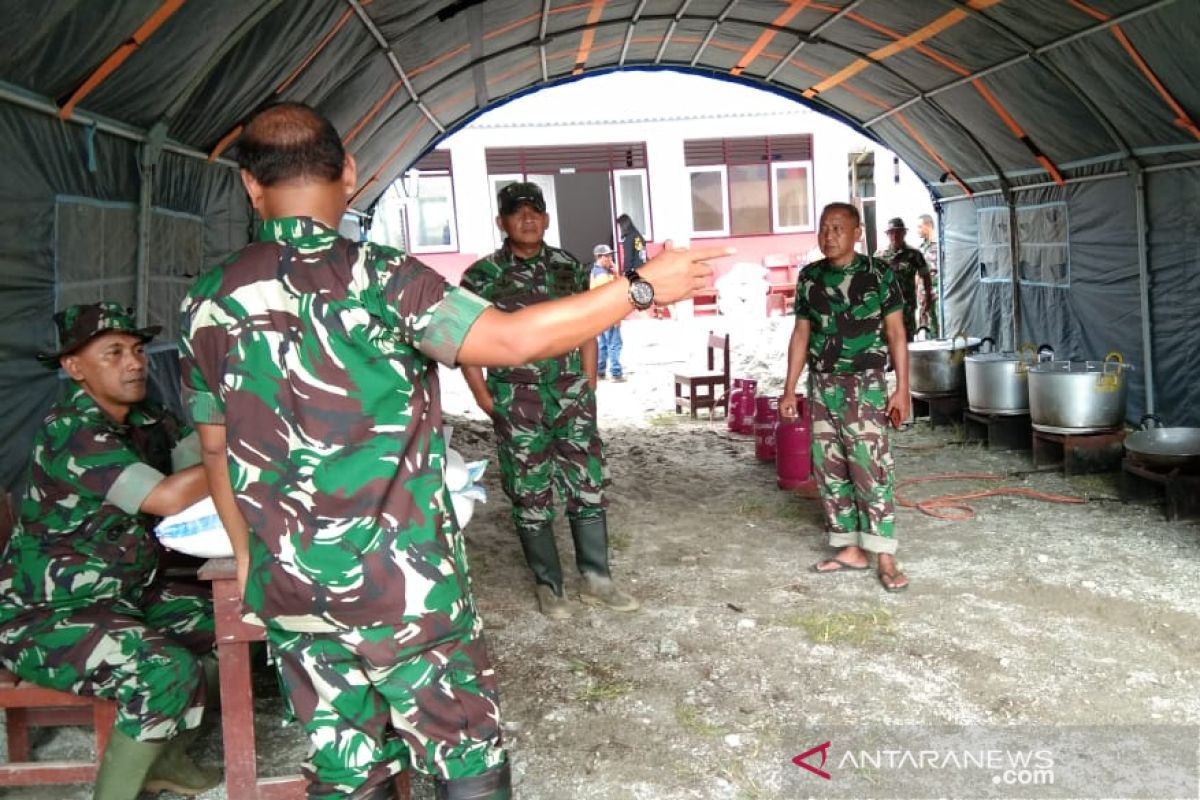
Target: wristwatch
(641, 293)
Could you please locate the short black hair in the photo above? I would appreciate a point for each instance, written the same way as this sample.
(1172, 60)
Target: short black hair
(849, 208)
(290, 141)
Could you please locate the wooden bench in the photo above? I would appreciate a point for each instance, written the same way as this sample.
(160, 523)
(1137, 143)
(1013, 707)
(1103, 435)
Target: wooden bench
(27, 705)
(696, 390)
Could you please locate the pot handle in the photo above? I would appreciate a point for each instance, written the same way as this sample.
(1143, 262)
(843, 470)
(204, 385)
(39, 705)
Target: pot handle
(1110, 381)
(1147, 419)
(987, 340)
(1045, 353)
(961, 334)
(917, 332)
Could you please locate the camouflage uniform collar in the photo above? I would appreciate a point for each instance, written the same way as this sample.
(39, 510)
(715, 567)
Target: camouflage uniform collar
(292, 229)
(508, 255)
(859, 262)
(82, 403)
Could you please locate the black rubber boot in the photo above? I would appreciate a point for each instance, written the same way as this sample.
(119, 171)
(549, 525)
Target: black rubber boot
(591, 556)
(494, 784)
(541, 553)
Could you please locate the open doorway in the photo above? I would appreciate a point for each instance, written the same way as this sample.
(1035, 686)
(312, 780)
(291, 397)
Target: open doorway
(862, 193)
(585, 215)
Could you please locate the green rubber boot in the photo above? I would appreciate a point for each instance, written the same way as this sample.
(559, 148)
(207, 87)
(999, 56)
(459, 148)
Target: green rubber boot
(124, 767)
(541, 553)
(495, 784)
(175, 771)
(591, 556)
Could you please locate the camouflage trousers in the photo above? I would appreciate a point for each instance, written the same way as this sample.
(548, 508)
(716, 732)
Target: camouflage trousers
(547, 437)
(852, 460)
(373, 706)
(143, 655)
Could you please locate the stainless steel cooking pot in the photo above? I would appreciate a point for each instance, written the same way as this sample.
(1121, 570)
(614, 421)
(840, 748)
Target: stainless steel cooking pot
(1167, 448)
(935, 366)
(1078, 396)
(998, 383)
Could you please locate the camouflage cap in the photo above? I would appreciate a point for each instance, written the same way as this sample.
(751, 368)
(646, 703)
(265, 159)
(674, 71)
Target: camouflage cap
(510, 198)
(79, 324)
(896, 224)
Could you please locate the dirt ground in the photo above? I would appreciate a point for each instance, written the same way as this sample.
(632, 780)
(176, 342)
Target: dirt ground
(1030, 614)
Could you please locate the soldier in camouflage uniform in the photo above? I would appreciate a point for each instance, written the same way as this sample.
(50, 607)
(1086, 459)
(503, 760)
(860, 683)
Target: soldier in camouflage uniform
(544, 413)
(82, 607)
(928, 248)
(310, 365)
(910, 269)
(848, 319)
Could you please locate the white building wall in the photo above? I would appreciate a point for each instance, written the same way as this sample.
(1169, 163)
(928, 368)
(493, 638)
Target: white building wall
(656, 111)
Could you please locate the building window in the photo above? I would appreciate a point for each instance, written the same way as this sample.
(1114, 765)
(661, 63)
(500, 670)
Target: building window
(752, 186)
(710, 201)
(431, 227)
(633, 198)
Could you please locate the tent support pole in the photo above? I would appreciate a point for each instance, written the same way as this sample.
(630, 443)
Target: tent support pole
(1014, 246)
(151, 149)
(1139, 182)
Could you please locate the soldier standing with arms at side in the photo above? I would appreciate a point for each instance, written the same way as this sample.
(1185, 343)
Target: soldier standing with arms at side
(310, 365)
(544, 413)
(848, 319)
(929, 249)
(910, 269)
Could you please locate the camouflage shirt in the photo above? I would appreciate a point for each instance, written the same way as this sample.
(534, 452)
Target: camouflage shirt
(846, 306)
(80, 538)
(513, 283)
(907, 263)
(317, 355)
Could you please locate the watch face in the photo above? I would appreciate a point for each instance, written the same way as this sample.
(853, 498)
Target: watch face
(641, 293)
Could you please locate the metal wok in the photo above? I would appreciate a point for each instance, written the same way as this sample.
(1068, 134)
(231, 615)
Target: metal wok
(1165, 447)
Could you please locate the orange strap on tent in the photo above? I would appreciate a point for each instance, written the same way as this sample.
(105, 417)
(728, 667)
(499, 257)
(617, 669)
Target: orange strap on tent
(766, 36)
(228, 138)
(118, 56)
(919, 139)
(589, 36)
(1181, 116)
(408, 137)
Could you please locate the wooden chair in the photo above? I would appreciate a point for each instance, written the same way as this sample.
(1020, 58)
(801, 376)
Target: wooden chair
(27, 705)
(696, 390)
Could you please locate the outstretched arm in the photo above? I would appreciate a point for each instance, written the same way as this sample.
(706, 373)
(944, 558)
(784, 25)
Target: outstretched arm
(499, 339)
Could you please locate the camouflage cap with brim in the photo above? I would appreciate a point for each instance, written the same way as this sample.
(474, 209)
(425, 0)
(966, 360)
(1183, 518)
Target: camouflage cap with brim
(79, 324)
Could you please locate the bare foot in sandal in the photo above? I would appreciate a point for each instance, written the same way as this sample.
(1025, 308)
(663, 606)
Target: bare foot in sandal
(848, 558)
(890, 576)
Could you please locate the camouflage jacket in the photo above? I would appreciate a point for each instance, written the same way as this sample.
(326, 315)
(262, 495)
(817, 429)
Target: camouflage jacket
(80, 538)
(907, 263)
(846, 306)
(513, 283)
(318, 356)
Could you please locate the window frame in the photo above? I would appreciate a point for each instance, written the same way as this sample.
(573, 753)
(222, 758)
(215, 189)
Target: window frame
(723, 171)
(776, 227)
(647, 225)
(413, 214)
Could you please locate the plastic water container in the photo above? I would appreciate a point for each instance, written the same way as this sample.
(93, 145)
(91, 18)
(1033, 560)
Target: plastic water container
(741, 412)
(793, 454)
(766, 415)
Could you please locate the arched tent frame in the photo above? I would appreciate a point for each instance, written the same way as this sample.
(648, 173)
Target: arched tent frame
(1087, 104)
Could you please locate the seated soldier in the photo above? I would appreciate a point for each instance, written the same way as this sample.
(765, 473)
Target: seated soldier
(82, 608)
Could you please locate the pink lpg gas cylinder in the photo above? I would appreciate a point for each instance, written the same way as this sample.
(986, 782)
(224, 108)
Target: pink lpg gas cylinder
(766, 414)
(734, 407)
(793, 456)
(742, 414)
